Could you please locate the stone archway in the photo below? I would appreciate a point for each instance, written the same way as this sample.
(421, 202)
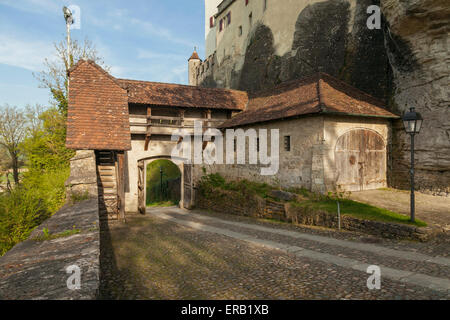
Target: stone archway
(186, 181)
(360, 158)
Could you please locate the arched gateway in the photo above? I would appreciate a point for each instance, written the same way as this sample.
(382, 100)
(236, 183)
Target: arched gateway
(186, 181)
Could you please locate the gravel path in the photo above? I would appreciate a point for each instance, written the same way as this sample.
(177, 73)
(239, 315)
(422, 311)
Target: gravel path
(151, 257)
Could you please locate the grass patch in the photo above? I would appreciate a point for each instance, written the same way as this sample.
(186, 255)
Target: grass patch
(309, 199)
(359, 210)
(215, 180)
(162, 204)
(47, 235)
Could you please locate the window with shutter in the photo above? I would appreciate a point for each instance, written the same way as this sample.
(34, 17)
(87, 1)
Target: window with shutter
(246, 2)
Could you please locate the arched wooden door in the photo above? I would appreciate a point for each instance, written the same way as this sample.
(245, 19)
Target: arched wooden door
(360, 158)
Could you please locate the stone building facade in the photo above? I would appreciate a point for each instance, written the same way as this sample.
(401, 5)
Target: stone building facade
(338, 135)
(260, 44)
(331, 136)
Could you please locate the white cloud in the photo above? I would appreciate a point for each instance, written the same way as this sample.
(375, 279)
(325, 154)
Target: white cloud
(27, 54)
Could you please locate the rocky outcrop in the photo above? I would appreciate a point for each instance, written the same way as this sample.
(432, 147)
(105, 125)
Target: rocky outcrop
(417, 46)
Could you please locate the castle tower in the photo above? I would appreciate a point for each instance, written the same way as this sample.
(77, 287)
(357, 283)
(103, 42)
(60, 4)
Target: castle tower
(194, 62)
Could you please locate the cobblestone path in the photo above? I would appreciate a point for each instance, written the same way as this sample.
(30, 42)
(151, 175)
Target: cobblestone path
(176, 254)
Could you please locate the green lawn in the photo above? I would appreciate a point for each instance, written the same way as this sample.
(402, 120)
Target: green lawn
(360, 210)
(162, 204)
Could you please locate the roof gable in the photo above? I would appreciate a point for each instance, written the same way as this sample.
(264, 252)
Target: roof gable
(317, 94)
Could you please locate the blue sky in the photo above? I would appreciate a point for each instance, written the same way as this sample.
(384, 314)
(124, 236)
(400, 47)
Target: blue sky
(145, 40)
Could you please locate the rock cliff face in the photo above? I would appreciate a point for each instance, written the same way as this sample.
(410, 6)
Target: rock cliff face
(416, 33)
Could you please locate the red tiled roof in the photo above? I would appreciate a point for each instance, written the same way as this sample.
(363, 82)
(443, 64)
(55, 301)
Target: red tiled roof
(98, 110)
(194, 56)
(318, 94)
(177, 95)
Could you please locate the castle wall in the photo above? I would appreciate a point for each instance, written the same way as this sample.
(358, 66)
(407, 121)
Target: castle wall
(293, 40)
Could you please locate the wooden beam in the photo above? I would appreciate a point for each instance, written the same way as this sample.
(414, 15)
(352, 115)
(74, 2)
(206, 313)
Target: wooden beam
(149, 128)
(207, 115)
(121, 184)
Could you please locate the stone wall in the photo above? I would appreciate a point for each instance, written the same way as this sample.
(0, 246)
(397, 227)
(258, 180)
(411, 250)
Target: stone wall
(231, 202)
(314, 217)
(83, 175)
(294, 40)
(310, 163)
(36, 268)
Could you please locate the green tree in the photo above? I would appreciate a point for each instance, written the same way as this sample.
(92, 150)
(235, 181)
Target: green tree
(13, 128)
(54, 76)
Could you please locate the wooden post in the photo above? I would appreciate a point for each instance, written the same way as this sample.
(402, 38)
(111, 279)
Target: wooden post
(182, 118)
(121, 184)
(149, 128)
(207, 115)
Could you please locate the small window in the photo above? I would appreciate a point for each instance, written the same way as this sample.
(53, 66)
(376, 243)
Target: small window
(229, 18)
(257, 144)
(287, 143)
(211, 22)
(234, 145)
(221, 25)
(265, 5)
(250, 16)
(246, 2)
(240, 31)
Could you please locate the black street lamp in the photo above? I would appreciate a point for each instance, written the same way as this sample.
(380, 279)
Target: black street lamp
(413, 122)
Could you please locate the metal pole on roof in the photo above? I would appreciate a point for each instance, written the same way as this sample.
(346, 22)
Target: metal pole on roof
(69, 21)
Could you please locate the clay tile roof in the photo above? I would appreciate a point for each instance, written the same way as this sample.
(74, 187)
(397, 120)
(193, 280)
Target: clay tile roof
(97, 116)
(177, 95)
(318, 94)
(194, 56)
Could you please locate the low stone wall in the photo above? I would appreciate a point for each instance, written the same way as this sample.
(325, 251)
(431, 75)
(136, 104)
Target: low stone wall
(234, 203)
(309, 216)
(36, 269)
(231, 202)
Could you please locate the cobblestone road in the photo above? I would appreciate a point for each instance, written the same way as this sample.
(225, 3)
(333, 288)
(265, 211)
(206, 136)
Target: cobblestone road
(176, 254)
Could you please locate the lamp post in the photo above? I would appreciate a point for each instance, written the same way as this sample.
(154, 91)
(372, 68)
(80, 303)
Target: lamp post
(412, 122)
(69, 21)
(161, 183)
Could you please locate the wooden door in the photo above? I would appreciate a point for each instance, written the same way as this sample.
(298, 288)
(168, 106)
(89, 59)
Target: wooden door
(360, 158)
(187, 186)
(141, 187)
